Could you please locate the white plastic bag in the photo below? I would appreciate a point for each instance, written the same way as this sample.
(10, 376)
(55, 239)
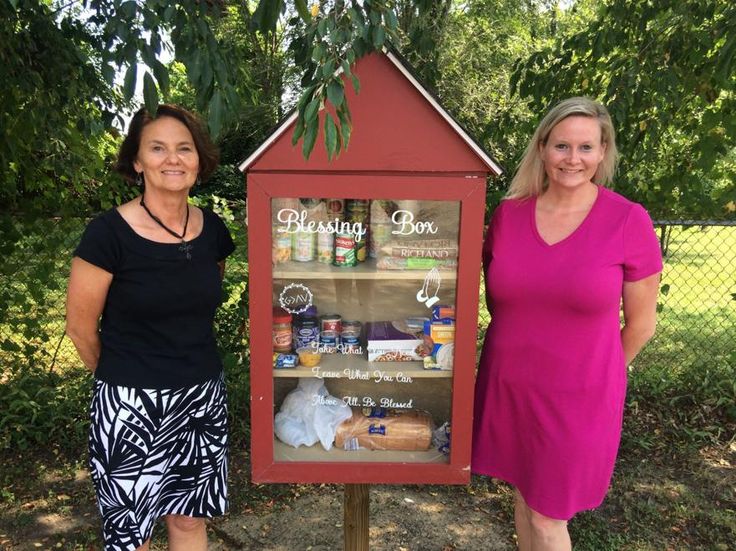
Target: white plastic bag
(310, 414)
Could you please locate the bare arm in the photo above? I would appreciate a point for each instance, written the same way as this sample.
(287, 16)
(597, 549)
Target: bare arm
(640, 314)
(85, 299)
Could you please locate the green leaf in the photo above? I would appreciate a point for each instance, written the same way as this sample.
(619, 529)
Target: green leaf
(150, 93)
(162, 76)
(129, 82)
(169, 12)
(379, 37)
(322, 27)
(330, 136)
(127, 9)
(310, 137)
(328, 68)
(356, 84)
(310, 113)
(346, 125)
(267, 15)
(108, 73)
(346, 68)
(318, 52)
(298, 130)
(216, 111)
(665, 289)
(391, 21)
(303, 10)
(335, 92)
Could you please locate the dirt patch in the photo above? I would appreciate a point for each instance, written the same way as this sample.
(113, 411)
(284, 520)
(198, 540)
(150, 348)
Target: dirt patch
(401, 518)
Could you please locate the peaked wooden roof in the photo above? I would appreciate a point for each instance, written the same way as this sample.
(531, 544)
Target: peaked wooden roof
(398, 126)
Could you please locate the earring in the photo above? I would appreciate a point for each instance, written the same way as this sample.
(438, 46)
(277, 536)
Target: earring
(198, 181)
(139, 179)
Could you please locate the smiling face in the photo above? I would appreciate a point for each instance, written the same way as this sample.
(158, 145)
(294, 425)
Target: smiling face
(167, 156)
(573, 152)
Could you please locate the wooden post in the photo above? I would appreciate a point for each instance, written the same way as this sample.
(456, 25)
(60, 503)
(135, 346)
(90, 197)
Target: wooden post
(355, 511)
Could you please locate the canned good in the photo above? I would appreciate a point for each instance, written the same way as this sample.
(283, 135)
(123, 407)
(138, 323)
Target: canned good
(303, 246)
(335, 209)
(352, 325)
(345, 250)
(305, 332)
(328, 341)
(380, 235)
(325, 247)
(361, 249)
(331, 322)
(350, 341)
(281, 249)
(309, 203)
(281, 330)
(356, 205)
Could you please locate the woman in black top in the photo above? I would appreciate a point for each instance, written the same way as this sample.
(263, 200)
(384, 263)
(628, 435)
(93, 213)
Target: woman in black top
(150, 271)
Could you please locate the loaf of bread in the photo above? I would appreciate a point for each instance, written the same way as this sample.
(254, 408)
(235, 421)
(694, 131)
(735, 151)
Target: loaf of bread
(385, 429)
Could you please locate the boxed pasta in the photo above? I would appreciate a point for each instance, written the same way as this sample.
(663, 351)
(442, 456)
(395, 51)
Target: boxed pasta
(392, 341)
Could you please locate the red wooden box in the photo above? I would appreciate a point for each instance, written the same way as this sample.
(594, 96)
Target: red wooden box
(422, 180)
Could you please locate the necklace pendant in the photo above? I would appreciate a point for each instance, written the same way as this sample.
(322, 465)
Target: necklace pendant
(186, 249)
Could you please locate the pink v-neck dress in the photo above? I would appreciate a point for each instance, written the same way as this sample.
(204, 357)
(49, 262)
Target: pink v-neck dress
(550, 391)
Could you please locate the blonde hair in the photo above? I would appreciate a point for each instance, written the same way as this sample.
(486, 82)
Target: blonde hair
(531, 179)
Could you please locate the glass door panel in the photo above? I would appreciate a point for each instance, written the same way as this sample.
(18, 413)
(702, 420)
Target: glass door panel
(364, 320)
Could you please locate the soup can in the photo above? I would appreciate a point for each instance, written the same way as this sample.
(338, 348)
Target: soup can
(329, 341)
(325, 247)
(350, 341)
(281, 251)
(303, 246)
(335, 209)
(352, 325)
(331, 322)
(345, 250)
(380, 235)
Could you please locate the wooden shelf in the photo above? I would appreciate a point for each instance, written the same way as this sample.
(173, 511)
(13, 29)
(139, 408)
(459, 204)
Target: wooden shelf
(284, 453)
(343, 366)
(364, 270)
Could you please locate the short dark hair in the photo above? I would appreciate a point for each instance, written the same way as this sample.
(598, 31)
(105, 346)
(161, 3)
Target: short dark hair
(209, 156)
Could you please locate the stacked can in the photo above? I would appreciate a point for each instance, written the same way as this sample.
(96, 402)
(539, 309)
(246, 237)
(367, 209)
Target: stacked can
(356, 211)
(305, 332)
(326, 248)
(335, 209)
(381, 227)
(329, 336)
(350, 337)
(345, 250)
(303, 246)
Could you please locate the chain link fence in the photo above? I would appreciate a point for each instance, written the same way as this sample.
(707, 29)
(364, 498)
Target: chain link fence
(696, 307)
(697, 302)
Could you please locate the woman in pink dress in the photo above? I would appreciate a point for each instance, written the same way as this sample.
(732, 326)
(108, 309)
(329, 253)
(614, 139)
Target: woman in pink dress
(561, 255)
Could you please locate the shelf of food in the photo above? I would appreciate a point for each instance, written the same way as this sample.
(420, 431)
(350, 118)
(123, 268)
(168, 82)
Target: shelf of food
(364, 270)
(354, 366)
(285, 453)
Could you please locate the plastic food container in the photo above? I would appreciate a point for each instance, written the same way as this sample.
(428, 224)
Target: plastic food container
(308, 357)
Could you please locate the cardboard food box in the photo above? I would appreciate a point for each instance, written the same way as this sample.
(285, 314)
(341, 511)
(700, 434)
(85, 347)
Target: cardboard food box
(392, 341)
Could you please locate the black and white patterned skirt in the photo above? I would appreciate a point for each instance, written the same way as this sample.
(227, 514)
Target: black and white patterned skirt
(154, 453)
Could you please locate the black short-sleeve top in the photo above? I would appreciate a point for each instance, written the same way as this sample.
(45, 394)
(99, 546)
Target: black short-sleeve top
(157, 324)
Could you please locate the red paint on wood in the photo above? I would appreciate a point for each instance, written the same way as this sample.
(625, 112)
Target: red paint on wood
(395, 129)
